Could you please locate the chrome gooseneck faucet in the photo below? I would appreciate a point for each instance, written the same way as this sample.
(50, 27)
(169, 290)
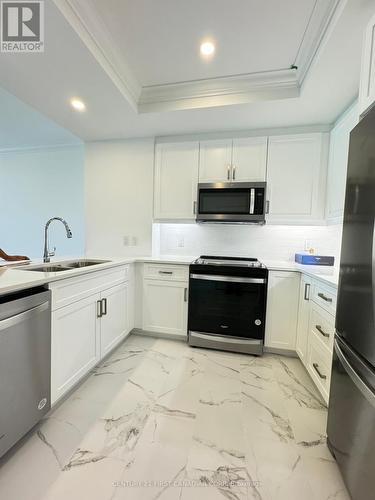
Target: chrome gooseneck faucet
(47, 254)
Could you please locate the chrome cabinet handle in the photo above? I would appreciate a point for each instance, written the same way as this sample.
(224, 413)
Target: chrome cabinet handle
(267, 206)
(185, 294)
(99, 310)
(234, 172)
(324, 297)
(228, 172)
(316, 368)
(307, 291)
(166, 272)
(194, 207)
(104, 310)
(320, 330)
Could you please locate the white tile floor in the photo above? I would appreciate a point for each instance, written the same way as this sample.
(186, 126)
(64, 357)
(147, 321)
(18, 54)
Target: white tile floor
(160, 420)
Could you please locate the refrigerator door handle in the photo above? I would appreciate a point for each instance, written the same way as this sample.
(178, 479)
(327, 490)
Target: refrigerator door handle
(356, 379)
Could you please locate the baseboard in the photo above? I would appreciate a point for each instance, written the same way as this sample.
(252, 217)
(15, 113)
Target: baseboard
(158, 335)
(281, 352)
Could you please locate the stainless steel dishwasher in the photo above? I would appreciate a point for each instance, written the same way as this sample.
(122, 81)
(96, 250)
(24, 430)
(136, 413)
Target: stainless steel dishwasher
(25, 363)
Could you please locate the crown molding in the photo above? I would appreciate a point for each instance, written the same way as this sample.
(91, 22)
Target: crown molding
(227, 90)
(88, 26)
(222, 91)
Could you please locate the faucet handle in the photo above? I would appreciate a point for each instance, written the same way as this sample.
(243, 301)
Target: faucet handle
(52, 254)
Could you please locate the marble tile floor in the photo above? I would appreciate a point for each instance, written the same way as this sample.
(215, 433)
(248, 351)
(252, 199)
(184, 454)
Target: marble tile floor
(161, 420)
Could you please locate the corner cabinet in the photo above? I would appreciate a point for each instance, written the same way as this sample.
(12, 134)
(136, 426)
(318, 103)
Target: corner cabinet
(282, 307)
(338, 163)
(165, 299)
(239, 160)
(90, 316)
(176, 179)
(367, 82)
(296, 176)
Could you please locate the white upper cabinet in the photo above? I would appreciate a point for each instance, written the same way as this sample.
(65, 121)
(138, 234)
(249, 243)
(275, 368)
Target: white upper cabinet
(367, 85)
(337, 166)
(215, 160)
(249, 159)
(296, 176)
(238, 160)
(176, 178)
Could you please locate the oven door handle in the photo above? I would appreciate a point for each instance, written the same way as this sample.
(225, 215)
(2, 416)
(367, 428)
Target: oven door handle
(231, 279)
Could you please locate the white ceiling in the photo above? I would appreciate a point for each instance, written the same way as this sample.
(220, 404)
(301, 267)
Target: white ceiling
(160, 39)
(68, 68)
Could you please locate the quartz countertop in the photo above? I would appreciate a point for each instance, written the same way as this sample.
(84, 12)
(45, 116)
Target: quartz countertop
(13, 277)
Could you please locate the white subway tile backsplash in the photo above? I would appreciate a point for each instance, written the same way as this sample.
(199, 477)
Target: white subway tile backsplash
(263, 242)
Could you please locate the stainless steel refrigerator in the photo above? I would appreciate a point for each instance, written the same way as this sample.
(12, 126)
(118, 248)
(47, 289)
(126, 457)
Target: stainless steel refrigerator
(351, 414)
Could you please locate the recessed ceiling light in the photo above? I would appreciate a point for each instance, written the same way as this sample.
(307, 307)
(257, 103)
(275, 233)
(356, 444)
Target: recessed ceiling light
(207, 49)
(77, 104)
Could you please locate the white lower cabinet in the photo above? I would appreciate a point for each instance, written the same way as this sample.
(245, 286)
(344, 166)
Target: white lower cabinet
(303, 317)
(165, 307)
(87, 328)
(75, 346)
(316, 330)
(114, 323)
(282, 307)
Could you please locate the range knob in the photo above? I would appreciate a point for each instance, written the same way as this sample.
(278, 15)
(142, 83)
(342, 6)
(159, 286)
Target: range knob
(258, 322)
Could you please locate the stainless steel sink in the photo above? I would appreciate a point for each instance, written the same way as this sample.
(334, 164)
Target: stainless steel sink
(85, 263)
(65, 266)
(48, 268)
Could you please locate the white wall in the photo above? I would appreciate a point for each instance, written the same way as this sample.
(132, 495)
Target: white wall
(36, 184)
(263, 242)
(119, 197)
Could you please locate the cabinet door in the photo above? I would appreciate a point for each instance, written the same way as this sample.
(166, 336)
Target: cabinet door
(367, 85)
(176, 178)
(165, 307)
(215, 159)
(296, 173)
(303, 318)
(114, 322)
(75, 344)
(337, 165)
(282, 307)
(249, 159)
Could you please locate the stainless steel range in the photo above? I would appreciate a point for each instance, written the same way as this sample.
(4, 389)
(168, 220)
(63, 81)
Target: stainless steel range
(227, 304)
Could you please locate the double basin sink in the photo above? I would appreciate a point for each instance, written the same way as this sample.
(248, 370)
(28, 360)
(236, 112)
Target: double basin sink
(65, 266)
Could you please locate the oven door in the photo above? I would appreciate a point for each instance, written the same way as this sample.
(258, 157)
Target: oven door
(231, 202)
(227, 305)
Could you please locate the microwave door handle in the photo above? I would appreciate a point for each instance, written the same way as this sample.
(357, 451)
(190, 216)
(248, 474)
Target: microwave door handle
(252, 200)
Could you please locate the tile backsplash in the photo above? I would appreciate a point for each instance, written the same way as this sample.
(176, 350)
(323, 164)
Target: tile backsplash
(263, 242)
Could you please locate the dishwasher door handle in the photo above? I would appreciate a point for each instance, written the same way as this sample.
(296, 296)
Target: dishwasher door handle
(23, 316)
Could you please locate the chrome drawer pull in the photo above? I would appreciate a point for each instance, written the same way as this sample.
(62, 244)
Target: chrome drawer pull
(324, 297)
(320, 330)
(166, 272)
(307, 291)
(316, 368)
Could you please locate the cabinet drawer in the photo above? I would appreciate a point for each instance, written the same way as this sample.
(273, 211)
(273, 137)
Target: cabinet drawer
(71, 290)
(325, 297)
(319, 366)
(322, 325)
(166, 272)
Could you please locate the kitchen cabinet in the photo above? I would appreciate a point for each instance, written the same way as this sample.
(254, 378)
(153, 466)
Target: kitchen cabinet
(337, 165)
(303, 317)
(114, 323)
(367, 80)
(75, 347)
(238, 160)
(282, 307)
(89, 318)
(296, 175)
(176, 178)
(165, 299)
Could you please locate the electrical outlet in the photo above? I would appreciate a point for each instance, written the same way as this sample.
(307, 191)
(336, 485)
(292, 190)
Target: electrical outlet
(134, 241)
(180, 242)
(126, 241)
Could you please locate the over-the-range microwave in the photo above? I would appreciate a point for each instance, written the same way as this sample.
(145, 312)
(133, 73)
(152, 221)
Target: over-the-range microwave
(232, 202)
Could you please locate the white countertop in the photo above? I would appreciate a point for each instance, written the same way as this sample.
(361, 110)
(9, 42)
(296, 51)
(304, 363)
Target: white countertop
(13, 277)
